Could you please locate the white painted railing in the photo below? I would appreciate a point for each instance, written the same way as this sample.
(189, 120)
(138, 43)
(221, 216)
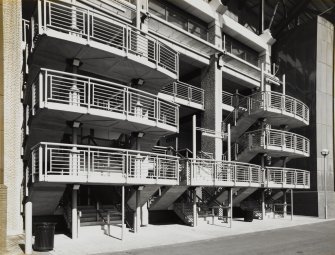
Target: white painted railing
(272, 138)
(212, 172)
(119, 165)
(227, 98)
(185, 91)
(208, 171)
(88, 24)
(77, 91)
(269, 101)
(287, 176)
(25, 31)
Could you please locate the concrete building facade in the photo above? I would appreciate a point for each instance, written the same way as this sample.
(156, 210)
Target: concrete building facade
(133, 112)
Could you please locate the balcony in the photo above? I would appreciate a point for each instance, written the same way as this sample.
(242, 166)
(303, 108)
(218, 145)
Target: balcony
(84, 99)
(275, 143)
(287, 178)
(68, 163)
(184, 94)
(65, 30)
(278, 109)
(204, 172)
(209, 172)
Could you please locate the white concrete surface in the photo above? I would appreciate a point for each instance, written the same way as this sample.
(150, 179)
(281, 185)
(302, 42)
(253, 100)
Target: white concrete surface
(92, 240)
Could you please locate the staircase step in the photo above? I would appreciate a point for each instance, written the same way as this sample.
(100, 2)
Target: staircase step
(99, 223)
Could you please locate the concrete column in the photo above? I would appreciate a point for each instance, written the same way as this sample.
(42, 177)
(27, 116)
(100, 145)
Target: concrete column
(137, 214)
(195, 214)
(211, 82)
(230, 203)
(144, 215)
(74, 214)
(263, 204)
(3, 215)
(28, 217)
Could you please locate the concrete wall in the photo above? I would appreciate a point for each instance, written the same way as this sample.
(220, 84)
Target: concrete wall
(13, 111)
(305, 56)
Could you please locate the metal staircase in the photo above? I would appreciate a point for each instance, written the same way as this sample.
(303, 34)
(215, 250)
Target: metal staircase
(167, 197)
(184, 212)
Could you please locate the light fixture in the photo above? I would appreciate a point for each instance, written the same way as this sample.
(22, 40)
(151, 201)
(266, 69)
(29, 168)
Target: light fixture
(324, 152)
(76, 186)
(137, 82)
(140, 134)
(76, 62)
(76, 124)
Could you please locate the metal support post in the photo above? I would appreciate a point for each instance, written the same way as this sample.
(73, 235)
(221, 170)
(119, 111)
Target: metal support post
(122, 214)
(229, 144)
(28, 216)
(263, 204)
(137, 214)
(230, 211)
(74, 214)
(285, 204)
(195, 216)
(291, 204)
(194, 136)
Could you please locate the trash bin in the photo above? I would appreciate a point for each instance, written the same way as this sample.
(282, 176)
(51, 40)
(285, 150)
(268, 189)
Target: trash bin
(44, 236)
(249, 215)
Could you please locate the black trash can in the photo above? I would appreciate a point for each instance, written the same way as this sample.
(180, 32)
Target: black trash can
(249, 215)
(44, 236)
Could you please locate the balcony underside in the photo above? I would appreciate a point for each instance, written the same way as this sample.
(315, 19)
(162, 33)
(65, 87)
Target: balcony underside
(106, 178)
(219, 183)
(234, 75)
(55, 49)
(119, 121)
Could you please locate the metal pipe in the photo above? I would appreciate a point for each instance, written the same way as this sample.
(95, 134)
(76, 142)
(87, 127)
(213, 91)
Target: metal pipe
(325, 185)
(194, 136)
(28, 216)
(194, 207)
(263, 204)
(229, 143)
(122, 213)
(74, 214)
(291, 204)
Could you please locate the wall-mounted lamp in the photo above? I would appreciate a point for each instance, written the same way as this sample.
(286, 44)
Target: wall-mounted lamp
(145, 16)
(137, 82)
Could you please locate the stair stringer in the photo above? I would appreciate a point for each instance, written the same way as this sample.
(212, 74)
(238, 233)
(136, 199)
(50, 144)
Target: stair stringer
(145, 195)
(167, 198)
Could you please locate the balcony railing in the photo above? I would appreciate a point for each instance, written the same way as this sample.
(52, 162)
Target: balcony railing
(287, 177)
(269, 101)
(212, 172)
(184, 91)
(78, 93)
(218, 173)
(227, 98)
(81, 163)
(87, 25)
(271, 139)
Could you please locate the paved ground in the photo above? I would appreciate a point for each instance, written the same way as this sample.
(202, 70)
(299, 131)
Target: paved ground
(262, 238)
(312, 239)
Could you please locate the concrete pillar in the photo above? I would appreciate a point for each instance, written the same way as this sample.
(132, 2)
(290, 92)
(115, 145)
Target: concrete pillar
(28, 217)
(144, 215)
(195, 214)
(263, 204)
(74, 214)
(211, 82)
(230, 203)
(137, 214)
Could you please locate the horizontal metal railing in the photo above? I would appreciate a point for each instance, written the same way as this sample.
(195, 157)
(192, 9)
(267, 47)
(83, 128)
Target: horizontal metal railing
(209, 170)
(227, 98)
(54, 159)
(185, 91)
(91, 25)
(268, 101)
(206, 171)
(288, 176)
(284, 140)
(94, 94)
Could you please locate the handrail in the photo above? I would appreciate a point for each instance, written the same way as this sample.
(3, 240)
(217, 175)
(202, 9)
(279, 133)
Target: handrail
(55, 159)
(227, 98)
(277, 138)
(83, 91)
(207, 171)
(91, 25)
(185, 91)
(268, 100)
